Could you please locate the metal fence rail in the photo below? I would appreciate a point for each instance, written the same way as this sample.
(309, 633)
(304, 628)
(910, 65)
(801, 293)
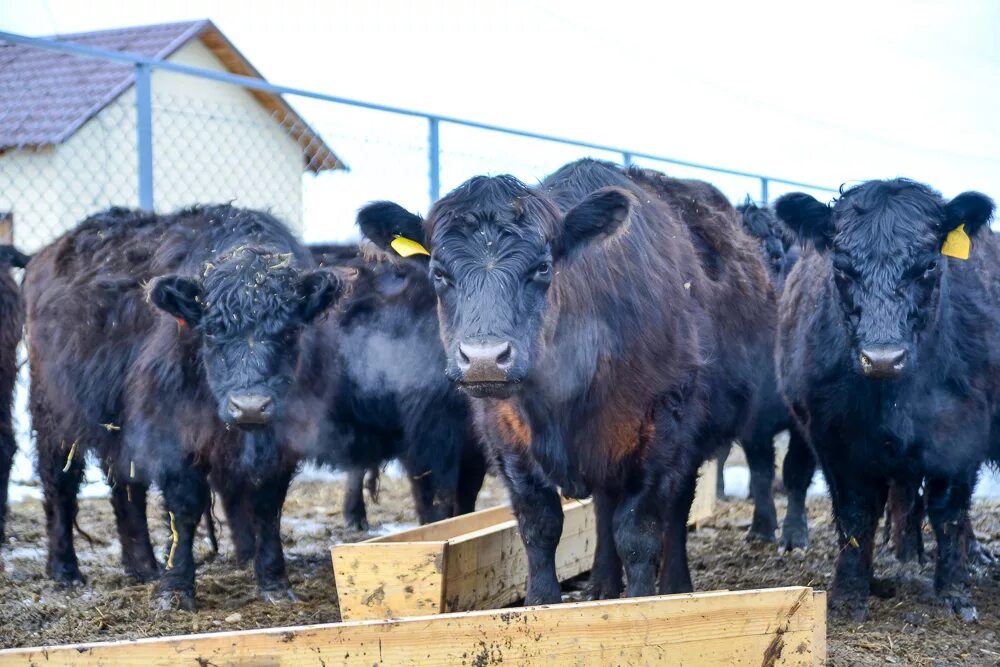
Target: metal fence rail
(150, 116)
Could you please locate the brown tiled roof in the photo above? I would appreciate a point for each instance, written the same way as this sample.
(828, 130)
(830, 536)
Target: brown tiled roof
(47, 95)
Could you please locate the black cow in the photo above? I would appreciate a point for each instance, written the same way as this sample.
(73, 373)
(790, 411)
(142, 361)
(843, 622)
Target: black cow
(780, 252)
(889, 357)
(227, 378)
(608, 324)
(11, 324)
(395, 401)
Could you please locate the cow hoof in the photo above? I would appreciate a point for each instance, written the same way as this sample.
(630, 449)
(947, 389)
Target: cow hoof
(174, 601)
(278, 595)
(792, 540)
(142, 573)
(358, 525)
(848, 608)
(962, 606)
(67, 576)
(603, 590)
(757, 536)
(883, 589)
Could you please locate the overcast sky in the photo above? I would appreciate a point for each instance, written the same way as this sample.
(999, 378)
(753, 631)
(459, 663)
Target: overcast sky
(818, 92)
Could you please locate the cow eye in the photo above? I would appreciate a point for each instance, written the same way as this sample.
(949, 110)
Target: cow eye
(543, 270)
(929, 272)
(440, 277)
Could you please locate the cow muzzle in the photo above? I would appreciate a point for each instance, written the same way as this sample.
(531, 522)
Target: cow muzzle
(484, 361)
(883, 362)
(250, 409)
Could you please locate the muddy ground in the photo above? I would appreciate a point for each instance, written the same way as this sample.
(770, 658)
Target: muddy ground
(906, 630)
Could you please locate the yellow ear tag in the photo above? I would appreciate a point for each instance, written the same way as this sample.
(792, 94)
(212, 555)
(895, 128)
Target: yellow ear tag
(406, 247)
(958, 244)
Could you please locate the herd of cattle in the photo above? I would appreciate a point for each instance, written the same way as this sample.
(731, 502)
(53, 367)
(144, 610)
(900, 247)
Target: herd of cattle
(600, 334)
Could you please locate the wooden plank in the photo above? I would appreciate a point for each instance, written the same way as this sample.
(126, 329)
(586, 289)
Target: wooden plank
(489, 568)
(819, 628)
(775, 627)
(449, 528)
(703, 506)
(379, 580)
(481, 569)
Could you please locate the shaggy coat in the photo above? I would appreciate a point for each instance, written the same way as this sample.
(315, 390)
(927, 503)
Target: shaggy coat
(889, 356)
(779, 251)
(11, 324)
(147, 335)
(394, 400)
(608, 324)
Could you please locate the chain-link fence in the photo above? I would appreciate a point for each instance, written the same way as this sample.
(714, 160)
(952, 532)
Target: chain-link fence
(170, 133)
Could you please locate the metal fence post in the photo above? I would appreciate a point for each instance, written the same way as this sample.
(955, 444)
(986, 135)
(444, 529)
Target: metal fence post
(144, 134)
(763, 191)
(434, 159)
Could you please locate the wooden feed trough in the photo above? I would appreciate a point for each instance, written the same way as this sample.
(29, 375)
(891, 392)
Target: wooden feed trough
(476, 561)
(777, 627)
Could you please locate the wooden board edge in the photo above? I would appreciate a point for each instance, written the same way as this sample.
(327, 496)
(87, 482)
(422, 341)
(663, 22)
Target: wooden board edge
(681, 627)
(380, 580)
(819, 628)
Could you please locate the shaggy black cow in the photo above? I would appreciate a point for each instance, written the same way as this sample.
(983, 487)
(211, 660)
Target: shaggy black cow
(608, 324)
(227, 377)
(780, 252)
(395, 401)
(11, 324)
(889, 356)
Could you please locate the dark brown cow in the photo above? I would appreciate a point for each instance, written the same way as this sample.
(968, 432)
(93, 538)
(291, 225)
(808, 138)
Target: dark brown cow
(228, 377)
(609, 324)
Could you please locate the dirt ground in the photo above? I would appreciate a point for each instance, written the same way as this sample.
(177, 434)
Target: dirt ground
(908, 629)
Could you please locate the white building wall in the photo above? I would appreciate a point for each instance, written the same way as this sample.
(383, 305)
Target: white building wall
(212, 143)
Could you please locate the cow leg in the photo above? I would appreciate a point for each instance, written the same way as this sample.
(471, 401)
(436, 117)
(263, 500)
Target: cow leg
(638, 533)
(948, 508)
(269, 563)
(540, 521)
(759, 449)
(675, 576)
(61, 474)
(471, 474)
(185, 492)
(975, 552)
(796, 473)
(857, 504)
(606, 575)
(129, 503)
(355, 516)
(721, 456)
(906, 514)
(8, 447)
(239, 514)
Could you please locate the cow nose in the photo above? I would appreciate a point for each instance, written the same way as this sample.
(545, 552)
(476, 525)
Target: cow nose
(485, 360)
(250, 408)
(883, 363)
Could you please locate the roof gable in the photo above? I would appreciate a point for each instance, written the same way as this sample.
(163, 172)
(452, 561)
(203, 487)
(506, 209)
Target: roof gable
(49, 95)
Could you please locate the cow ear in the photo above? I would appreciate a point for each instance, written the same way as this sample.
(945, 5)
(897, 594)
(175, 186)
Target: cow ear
(317, 291)
(598, 216)
(179, 296)
(972, 209)
(385, 223)
(808, 219)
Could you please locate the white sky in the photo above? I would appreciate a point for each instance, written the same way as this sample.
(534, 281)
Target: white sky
(818, 92)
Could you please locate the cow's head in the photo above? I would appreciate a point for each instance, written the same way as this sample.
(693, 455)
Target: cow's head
(777, 245)
(884, 240)
(496, 246)
(248, 310)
